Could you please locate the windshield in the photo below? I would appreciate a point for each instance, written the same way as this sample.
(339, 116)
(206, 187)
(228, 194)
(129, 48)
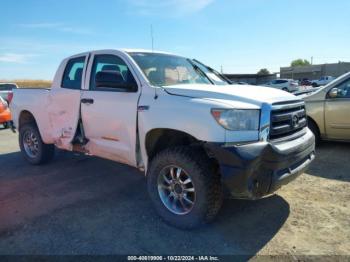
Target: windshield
(214, 76)
(166, 70)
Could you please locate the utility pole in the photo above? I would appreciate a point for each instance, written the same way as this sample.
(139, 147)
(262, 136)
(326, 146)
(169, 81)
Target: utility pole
(312, 60)
(222, 70)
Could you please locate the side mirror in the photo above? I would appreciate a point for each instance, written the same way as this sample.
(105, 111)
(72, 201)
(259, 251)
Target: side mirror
(113, 79)
(333, 93)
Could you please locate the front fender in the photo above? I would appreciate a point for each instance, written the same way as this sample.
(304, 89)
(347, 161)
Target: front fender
(185, 114)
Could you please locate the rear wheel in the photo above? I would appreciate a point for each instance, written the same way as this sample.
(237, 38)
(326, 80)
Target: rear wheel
(32, 147)
(184, 187)
(6, 125)
(285, 89)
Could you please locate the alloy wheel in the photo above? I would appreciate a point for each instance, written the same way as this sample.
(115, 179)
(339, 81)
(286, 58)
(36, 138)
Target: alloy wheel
(176, 190)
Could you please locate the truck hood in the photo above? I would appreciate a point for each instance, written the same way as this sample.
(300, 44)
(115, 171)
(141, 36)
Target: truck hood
(255, 95)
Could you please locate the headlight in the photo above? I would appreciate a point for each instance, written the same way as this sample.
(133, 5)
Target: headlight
(237, 119)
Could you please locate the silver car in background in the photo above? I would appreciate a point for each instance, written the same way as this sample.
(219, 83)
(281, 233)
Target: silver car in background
(288, 85)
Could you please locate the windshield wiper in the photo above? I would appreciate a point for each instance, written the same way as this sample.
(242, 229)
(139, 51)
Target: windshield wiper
(221, 76)
(198, 70)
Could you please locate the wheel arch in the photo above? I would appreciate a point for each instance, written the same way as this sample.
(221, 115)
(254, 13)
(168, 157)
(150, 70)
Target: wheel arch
(310, 119)
(161, 138)
(26, 117)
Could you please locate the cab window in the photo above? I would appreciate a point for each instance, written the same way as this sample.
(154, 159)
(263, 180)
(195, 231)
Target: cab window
(118, 71)
(73, 73)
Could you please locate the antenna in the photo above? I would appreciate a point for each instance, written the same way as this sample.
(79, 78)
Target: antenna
(152, 38)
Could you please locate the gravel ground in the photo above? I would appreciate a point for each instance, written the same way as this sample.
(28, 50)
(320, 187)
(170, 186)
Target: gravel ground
(83, 205)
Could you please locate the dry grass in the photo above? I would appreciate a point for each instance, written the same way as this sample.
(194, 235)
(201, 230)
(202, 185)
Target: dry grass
(26, 83)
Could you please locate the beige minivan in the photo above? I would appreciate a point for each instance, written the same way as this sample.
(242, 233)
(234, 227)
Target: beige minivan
(328, 110)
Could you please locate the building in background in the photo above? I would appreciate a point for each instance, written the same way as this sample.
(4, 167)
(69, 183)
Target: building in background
(313, 72)
(253, 79)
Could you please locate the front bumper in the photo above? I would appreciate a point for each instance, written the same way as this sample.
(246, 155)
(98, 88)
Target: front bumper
(252, 171)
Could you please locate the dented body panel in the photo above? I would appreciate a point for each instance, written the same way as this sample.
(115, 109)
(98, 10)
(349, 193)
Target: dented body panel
(63, 115)
(53, 113)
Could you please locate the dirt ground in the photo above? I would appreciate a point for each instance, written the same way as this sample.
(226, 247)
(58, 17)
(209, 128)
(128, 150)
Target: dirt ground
(319, 201)
(84, 205)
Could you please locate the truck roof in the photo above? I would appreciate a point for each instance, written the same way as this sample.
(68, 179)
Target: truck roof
(125, 50)
(144, 51)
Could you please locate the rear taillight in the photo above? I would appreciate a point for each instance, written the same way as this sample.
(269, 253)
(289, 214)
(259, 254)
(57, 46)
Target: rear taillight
(9, 97)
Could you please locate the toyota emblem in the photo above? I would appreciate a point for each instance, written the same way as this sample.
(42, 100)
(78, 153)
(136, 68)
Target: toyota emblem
(295, 121)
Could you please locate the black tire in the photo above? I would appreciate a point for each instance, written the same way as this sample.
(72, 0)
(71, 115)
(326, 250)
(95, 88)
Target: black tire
(5, 125)
(314, 85)
(44, 153)
(314, 129)
(206, 182)
(285, 89)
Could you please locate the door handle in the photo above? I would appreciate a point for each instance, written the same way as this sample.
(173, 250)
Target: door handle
(87, 101)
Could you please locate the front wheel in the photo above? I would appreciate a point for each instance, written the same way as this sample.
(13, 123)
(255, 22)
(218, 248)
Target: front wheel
(184, 187)
(32, 147)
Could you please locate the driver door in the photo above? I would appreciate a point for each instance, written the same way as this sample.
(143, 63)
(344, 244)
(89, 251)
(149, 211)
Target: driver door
(337, 112)
(109, 114)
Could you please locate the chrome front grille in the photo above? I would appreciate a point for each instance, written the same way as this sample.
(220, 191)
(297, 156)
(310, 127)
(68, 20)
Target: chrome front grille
(287, 119)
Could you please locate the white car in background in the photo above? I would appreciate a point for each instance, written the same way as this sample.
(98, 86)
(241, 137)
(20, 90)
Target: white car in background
(288, 85)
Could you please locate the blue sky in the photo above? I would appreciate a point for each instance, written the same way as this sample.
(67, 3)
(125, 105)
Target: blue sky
(242, 36)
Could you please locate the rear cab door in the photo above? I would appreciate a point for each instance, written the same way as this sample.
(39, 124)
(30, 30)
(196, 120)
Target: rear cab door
(64, 100)
(109, 114)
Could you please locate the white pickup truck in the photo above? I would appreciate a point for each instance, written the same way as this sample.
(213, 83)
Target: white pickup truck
(196, 137)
